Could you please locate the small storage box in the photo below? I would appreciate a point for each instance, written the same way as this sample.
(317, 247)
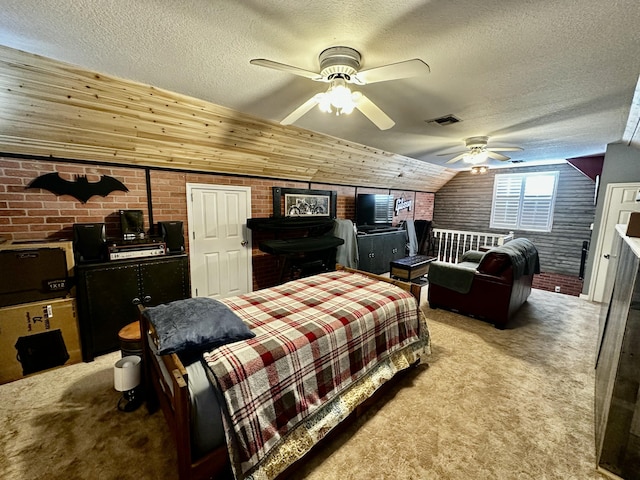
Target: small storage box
(633, 227)
(37, 336)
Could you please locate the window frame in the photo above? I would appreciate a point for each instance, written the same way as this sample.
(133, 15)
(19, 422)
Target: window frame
(523, 201)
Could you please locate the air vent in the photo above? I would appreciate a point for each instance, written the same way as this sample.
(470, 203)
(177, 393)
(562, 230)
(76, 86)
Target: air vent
(517, 161)
(445, 120)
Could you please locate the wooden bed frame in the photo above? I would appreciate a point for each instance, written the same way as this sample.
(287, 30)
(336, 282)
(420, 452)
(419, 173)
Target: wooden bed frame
(176, 406)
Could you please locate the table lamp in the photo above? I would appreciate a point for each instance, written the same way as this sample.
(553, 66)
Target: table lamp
(126, 378)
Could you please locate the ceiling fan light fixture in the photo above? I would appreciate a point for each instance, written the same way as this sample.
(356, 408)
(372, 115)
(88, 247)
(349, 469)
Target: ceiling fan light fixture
(475, 156)
(338, 96)
(324, 103)
(479, 169)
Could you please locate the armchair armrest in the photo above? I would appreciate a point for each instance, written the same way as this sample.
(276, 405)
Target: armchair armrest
(454, 276)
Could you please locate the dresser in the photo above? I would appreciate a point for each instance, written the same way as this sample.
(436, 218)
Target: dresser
(617, 405)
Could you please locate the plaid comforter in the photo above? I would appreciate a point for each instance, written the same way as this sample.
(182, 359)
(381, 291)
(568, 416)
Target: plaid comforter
(314, 338)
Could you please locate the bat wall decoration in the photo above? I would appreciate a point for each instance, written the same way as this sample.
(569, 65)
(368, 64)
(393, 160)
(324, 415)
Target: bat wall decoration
(80, 188)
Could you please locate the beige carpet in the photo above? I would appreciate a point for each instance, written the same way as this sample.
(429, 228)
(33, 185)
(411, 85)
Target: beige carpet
(492, 404)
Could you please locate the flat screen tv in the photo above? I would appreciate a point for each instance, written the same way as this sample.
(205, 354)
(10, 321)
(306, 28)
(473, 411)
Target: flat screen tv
(374, 210)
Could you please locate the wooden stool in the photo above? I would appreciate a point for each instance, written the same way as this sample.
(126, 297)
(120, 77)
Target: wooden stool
(130, 341)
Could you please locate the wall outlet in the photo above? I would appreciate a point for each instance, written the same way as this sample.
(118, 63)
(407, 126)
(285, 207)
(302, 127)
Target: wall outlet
(557, 289)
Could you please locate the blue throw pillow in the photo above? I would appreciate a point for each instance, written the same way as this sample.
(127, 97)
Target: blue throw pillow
(195, 324)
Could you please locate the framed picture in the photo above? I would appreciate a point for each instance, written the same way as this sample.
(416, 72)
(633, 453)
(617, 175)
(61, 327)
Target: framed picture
(302, 202)
(296, 205)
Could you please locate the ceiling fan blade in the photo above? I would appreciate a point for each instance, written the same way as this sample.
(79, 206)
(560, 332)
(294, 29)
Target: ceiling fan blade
(373, 113)
(394, 71)
(505, 149)
(300, 111)
(287, 68)
(457, 157)
(452, 153)
(496, 156)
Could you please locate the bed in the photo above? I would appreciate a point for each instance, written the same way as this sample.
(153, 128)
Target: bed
(314, 350)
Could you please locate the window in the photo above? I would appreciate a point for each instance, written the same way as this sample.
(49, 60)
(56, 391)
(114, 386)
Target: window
(524, 201)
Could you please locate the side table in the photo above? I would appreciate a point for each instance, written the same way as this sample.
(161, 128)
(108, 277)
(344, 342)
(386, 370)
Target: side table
(130, 340)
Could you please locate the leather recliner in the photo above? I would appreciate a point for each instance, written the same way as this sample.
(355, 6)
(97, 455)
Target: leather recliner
(490, 286)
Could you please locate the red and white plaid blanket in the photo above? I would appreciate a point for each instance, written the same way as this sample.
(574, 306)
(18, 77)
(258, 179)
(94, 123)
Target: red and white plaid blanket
(314, 337)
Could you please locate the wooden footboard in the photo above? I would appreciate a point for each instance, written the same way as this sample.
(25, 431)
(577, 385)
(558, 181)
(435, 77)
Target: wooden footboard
(174, 400)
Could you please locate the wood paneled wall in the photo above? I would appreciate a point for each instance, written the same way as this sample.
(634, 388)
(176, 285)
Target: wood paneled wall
(465, 204)
(53, 109)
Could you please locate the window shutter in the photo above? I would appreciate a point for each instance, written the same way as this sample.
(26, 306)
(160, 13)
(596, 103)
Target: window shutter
(537, 203)
(506, 201)
(524, 201)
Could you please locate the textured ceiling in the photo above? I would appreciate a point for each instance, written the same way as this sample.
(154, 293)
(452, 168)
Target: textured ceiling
(556, 78)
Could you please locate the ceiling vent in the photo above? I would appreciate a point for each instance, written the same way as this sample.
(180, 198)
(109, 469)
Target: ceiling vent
(445, 120)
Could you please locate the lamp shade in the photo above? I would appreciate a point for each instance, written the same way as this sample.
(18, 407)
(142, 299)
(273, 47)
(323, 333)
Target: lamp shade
(126, 373)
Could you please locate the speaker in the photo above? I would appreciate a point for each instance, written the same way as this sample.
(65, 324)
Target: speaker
(172, 235)
(89, 242)
(33, 275)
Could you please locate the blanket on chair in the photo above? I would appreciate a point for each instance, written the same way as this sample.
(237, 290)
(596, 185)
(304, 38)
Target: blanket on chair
(523, 255)
(454, 276)
(315, 338)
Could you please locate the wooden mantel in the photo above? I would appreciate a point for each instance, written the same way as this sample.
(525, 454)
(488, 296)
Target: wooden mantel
(53, 109)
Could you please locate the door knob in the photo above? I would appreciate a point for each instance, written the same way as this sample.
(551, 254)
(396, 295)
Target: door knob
(146, 299)
(244, 243)
(135, 301)
(606, 255)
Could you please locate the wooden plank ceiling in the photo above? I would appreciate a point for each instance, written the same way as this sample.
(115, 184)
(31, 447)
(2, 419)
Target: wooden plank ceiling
(48, 108)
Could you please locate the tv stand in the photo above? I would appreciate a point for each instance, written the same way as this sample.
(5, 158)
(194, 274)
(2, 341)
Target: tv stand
(376, 249)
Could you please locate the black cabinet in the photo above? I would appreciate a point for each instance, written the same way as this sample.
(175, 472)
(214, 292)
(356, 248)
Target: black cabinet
(108, 295)
(377, 250)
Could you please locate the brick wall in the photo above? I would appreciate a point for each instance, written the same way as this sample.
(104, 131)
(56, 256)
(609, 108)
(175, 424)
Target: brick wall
(423, 206)
(36, 214)
(569, 285)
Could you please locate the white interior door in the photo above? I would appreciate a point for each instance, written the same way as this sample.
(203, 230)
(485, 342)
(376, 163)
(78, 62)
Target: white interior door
(219, 244)
(619, 202)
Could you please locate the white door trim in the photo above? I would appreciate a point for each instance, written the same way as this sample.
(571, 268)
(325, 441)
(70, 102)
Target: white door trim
(601, 233)
(247, 236)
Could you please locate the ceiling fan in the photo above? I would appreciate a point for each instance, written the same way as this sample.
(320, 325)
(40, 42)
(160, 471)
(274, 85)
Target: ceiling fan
(340, 66)
(477, 151)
